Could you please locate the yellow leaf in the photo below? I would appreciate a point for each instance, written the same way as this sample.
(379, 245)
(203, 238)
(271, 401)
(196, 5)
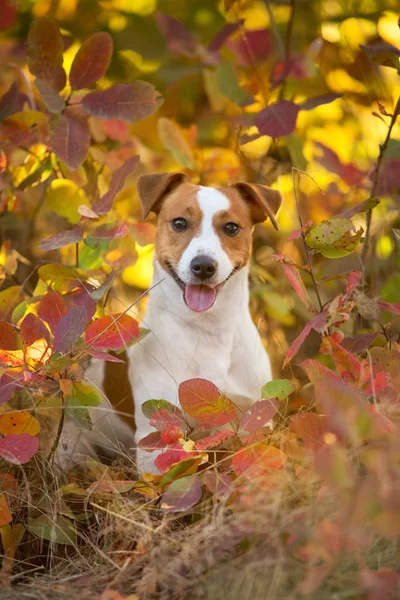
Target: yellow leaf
(19, 421)
(141, 273)
(64, 197)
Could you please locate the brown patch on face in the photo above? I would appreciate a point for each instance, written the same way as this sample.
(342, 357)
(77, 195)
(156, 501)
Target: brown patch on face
(238, 248)
(170, 244)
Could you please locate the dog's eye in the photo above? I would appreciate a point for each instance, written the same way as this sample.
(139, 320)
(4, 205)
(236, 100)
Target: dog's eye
(231, 229)
(179, 224)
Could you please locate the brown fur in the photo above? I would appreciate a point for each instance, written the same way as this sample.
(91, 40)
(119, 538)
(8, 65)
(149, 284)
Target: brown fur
(118, 389)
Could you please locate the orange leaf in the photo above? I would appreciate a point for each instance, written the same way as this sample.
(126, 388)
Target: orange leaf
(19, 421)
(202, 400)
(257, 461)
(5, 513)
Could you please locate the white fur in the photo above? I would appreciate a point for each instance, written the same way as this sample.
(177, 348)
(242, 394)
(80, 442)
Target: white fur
(207, 243)
(221, 344)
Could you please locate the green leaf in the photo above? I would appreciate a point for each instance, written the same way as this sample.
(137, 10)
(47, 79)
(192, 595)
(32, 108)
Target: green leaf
(182, 494)
(151, 406)
(334, 238)
(173, 140)
(58, 530)
(83, 395)
(80, 416)
(278, 388)
(60, 278)
(228, 83)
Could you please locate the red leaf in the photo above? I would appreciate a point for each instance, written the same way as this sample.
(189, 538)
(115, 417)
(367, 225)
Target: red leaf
(9, 338)
(105, 203)
(171, 434)
(170, 457)
(316, 370)
(358, 343)
(32, 329)
(311, 428)
(9, 299)
(202, 400)
(163, 418)
(211, 441)
(130, 102)
(278, 119)
(69, 329)
(293, 275)
(151, 442)
(258, 415)
(51, 309)
(380, 584)
(8, 385)
(298, 233)
(330, 161)
(91, 61)
(352, 282)
(182, 494)
(70, 140)
(256, 461)
(109, 231)
(179, 39)
(255, 45)
(45, 53)
(220, 38)
(113, 332)
(82, 297)
(64, 238)
(18, 449)
(318, 101)
(318, 323)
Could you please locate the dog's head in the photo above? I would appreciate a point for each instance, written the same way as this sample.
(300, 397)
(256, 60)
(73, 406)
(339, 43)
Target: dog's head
(204, 235)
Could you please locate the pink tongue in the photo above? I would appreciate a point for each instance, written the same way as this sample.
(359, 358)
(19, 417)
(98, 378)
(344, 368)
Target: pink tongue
(200, 297)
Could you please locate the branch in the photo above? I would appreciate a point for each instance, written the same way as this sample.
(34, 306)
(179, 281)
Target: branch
(375, 180)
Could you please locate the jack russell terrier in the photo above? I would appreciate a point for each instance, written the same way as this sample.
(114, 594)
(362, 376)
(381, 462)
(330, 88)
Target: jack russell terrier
(198, 314)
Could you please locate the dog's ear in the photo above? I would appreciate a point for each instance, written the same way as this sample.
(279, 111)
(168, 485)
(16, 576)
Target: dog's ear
(264, 202)
(153, 188)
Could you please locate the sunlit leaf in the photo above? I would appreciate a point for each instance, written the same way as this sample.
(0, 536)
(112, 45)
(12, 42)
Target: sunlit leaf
(112, 332)
(19, 421)
(18, 449)
(182, 494)
(9, 299)
(368, 204)
(9, 338)
(32, 329)
(294, 278)
(130, 102)
(212, 441)
(59, 278)
(228, 83)
(334, 238)
(173, 139)
(202, 400)
(164, 418)
(52, 309)
(91, 61)
(64, 197)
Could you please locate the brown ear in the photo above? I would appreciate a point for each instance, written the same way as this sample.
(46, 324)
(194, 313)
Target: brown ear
(264, 202)
(152, 189)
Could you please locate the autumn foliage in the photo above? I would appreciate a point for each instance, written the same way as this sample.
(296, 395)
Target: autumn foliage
(302, 96)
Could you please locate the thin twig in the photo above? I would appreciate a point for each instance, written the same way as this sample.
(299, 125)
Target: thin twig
(375, 180)
(59, 430)
(307, 252)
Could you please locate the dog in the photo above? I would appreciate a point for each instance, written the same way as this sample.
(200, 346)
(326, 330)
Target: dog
(198, 308)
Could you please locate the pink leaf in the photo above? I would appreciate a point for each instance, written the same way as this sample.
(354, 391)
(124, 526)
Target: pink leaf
(69, 329)
(258, 415)
(311, 428)
(163, 418)
(393, 308)
(45, 52)
(294, 279)
(32, 329)
(202, 400)
(380, 584)
(299, 232)
(131, 102)
(170, 457)
(318, 323)
(182, 494)
(278, 119)
(211, 441)
(71, 140)
(353, 281)
(104, 356)
(8, 385)
(330, 161)
(105, 203)
(179, 39)
(109, 231)
(257, 461)
(64, 238)
(82, 297)
(18, 449)
(91, 61)
(51, 309)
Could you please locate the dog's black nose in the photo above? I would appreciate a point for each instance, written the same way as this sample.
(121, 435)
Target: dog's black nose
(203, 267)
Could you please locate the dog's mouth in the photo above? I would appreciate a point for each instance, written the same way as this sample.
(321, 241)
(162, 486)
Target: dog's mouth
(199, 297)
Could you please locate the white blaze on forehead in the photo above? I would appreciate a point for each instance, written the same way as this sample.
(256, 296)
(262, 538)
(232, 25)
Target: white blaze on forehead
(207, 242)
